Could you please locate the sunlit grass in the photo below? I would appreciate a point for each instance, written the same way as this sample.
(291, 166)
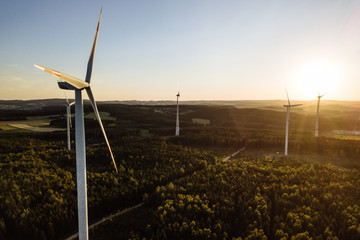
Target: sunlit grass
(7, 127)
(103, 115)
(347, 137)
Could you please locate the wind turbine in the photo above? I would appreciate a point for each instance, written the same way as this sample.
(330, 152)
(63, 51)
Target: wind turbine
(68, 120)
(317, 116)
(287, 121)
(72, 83)
(177, 130)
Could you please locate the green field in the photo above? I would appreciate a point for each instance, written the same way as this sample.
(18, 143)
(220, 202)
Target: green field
(103, 116)
(6, 127)
(32, 123)
(347, 137)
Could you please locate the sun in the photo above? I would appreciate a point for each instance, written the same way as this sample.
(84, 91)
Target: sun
(313, 77)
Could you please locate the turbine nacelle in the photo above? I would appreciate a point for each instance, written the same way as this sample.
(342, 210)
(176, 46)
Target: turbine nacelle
(66, 86)
(320, 96)
(289, 104)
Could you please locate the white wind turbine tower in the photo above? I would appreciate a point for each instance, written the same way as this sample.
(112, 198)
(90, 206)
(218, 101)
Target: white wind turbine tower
(177, 130)
(287, 121)
(317, 115)
(68, 120)
(72, 83)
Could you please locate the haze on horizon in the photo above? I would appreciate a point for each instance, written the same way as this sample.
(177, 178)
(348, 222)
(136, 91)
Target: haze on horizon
(209, 50)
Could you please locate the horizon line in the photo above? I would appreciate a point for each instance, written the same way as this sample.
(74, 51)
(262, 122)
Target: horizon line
(186, 100)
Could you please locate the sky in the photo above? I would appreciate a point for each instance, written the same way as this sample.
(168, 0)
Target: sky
(206, 49)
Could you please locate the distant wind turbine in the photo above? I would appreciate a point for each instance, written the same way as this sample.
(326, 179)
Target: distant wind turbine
(317, 115)
(68, 120)
(287, 121)
(72, 83)
(177, 130)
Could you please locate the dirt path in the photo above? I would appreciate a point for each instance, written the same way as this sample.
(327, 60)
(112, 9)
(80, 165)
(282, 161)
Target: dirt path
(233, 155)
(106, 219)
(127, 209)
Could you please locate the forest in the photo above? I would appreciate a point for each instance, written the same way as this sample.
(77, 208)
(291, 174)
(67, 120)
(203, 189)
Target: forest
(263, 198)
(188, 191)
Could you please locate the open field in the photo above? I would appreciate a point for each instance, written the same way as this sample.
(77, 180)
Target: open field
(35, 129)
(347, 137)
(33, 123)
(103, 116)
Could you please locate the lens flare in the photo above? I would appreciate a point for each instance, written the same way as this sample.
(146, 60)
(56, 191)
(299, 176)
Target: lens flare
(321, 76)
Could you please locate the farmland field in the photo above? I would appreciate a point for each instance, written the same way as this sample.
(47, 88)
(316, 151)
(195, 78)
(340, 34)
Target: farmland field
(32, 123)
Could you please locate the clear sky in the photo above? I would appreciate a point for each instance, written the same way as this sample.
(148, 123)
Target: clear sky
(209, 50)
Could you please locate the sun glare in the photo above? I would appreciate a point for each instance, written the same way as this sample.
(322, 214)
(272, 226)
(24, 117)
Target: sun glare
(315, 77)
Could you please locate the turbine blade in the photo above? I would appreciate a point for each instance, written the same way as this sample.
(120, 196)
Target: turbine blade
(92, 53)
(93, 103)
(295, 105)
(70, 113)
(287, 96)
(70, 116)
(67, 100)
(68, 107)
(75, 82)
